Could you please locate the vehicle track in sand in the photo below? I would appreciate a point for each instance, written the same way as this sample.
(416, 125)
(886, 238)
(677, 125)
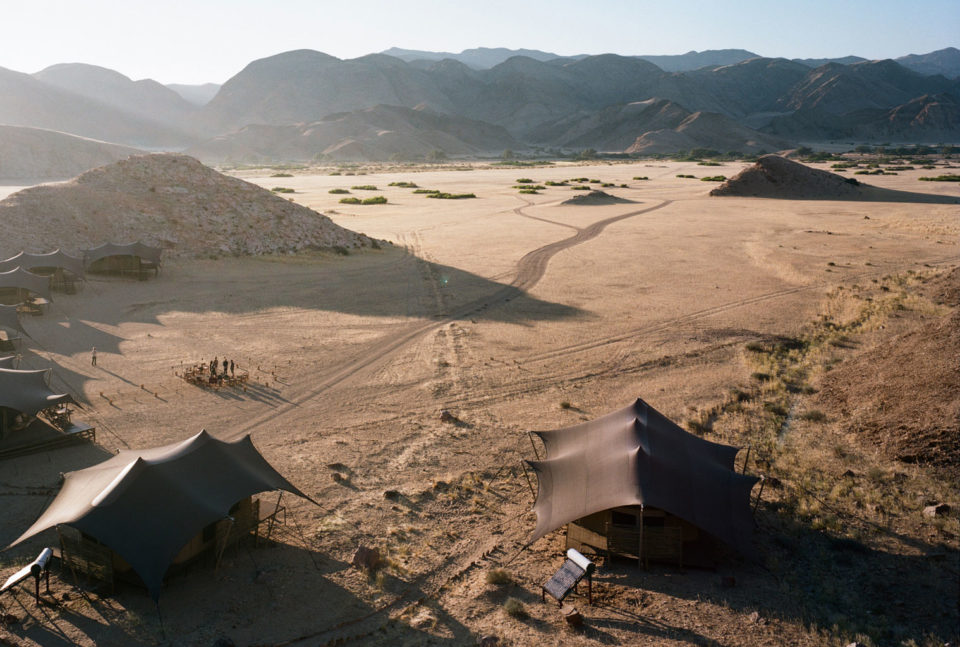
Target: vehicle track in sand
(530, 269)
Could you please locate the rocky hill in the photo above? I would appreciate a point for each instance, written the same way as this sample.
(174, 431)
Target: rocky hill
(378, 133)
(34, 155)
(943, 61)
(171, 200)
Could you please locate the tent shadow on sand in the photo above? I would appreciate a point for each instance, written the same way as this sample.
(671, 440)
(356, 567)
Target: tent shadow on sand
(821, 580)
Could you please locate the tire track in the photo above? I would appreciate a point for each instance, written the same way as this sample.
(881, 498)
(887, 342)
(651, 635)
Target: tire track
(530, 269)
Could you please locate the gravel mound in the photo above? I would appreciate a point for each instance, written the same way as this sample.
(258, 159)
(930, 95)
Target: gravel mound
(773, 176)
(169, 200)
(596, 198)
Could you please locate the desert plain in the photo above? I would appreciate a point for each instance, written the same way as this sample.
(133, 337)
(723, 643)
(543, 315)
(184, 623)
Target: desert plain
(514, 312)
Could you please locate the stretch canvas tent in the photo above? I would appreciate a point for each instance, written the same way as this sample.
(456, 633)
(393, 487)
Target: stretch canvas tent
(146, 253)
(9, 319)
(29, 392)
(146, 504)
(22, 279)
(55, 259)
(8, 362)
(636, 456)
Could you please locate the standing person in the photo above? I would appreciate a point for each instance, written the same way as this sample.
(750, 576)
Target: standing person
(224, 366)
(232, 374)
(93, 356)
(213, 367)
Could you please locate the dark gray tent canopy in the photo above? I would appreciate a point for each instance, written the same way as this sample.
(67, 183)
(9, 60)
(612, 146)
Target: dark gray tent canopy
(636, 456)
(54, 260)
(148, 255)
(29, 392)
(8, 362)
(9, 319)
(145, 505)
(21, 279)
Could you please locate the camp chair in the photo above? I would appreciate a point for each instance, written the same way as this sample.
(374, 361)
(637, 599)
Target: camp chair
(566, 579)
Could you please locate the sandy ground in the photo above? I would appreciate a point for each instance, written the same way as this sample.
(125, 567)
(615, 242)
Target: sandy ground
(498, 309)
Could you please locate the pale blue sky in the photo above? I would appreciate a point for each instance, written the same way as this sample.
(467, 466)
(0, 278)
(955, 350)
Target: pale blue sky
(193, 41)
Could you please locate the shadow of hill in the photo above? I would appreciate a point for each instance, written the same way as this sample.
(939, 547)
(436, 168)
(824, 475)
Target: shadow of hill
(390, 283)
(826, 582)
(876, 194)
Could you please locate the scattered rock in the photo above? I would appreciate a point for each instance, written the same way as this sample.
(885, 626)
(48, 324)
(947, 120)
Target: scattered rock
(488, 641)
(392, 495)
(446, 416)
(338, 477)
(572, 616)
(850, 474)
(9, 619)
(366, 558)
(937, 510)
(754, 617)
(423, 620)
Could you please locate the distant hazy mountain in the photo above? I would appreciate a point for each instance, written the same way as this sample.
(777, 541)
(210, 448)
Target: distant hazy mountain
(305, 85)
(147, 99)
(817, 62)
(927, 119)
(378, 133)
(480, 58)
(32, 154)
(842, 89)
(28, 101)
(943, 61)
(653, 126)
(198, 95)
(695, 60)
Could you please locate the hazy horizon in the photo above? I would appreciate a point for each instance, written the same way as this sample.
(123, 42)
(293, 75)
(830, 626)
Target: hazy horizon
(211, 40)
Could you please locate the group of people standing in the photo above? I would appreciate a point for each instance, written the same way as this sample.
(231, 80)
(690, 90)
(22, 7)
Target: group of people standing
(227, 366)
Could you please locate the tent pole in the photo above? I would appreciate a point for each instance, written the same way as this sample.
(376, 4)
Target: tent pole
(223, 545)
(640, 543)
(529, 484)
(763, 480)
(746, 460)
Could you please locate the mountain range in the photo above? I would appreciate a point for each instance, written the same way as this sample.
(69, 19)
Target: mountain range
(305, 104)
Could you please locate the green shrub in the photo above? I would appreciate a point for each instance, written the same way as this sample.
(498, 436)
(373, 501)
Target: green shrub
(335, 173)
(404, 185)
(282, 189)
(594, 181)
(942, 178)
(451, 196)
(524, 180)
(579, 179)
(535, 187)
(528, 191)
(706, 163)
(350, 201)
(426, 191)
(282, 175)
(606, 184)
(692, 177)
(582, 187)
(377, 199)
(714, 178)
(338, 191)
(515, 608)
(552, 183)
(498, 577)
(641, 177)
(364, 187)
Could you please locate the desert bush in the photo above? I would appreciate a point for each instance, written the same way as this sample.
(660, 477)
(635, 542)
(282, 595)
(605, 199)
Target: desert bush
(524, 180)
(565, 405)
(900, 168)
(949, 177)
(641, 177)
(536, 187)
(579, 179)
(528, 191)
(342, 251)
(350, 200)
(404, 185)
(282, 175)
(426, 191)
(282, 189)
(692, 177)
(364, 187)
(451, 196)
(606, 184)
(714, 178)
(581, 187)
(515, 608)
(708, 163)
(338, 191)
(594, 181)
(552, 183)
(377, 199)
(814, 415)
(498, 576)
